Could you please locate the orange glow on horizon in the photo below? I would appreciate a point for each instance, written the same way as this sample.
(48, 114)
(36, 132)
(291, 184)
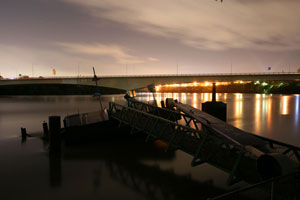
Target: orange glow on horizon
(197, 84)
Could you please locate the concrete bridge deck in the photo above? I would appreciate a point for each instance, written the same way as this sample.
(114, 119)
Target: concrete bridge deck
(141, 81)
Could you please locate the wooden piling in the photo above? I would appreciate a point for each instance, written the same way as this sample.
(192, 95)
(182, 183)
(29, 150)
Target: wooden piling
(54, 130)
(46, 130)
(162, 103)
(214, 92)
(214, 108)
(169, 103)
(23, 133)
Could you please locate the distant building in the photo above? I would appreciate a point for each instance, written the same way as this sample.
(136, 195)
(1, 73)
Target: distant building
(23, 76)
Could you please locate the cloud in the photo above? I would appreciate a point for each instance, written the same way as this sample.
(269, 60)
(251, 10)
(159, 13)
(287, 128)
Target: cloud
(119, 53)
(233, 24)
(152, 59)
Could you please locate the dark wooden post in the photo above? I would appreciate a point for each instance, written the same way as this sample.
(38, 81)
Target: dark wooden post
(214, 92)
(23, 133)
(162, 104)
(217, 109)
(54, 129)
(46, 130)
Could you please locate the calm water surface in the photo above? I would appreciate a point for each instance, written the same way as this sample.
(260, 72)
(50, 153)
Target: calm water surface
(123, 169)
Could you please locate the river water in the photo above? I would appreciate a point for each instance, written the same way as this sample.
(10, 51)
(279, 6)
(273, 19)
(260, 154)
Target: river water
(124, 169)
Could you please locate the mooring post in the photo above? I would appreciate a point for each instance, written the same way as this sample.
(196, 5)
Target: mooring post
(54, 130)
(23, 133)
(217, 109)
(169, 103)
(162, 103)
(214, 92)
(46, 130)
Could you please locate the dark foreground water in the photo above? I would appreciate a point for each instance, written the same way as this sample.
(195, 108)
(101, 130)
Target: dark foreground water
(120, 168)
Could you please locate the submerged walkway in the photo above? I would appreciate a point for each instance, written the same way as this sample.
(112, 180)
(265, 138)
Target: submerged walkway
(202, 136)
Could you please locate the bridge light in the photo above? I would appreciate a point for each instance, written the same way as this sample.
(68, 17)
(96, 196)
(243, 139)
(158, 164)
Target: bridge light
(264, 83)
(280, 84)
(184, 85)
(157, 88)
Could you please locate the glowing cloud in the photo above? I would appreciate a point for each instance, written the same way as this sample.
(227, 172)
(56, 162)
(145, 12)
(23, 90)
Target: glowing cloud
(264, 25)
(117, 52)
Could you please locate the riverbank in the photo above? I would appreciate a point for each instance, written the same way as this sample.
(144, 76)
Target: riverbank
(56, 89)
(274, 87)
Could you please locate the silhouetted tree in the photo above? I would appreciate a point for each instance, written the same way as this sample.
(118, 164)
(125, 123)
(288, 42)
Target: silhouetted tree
(298, 71)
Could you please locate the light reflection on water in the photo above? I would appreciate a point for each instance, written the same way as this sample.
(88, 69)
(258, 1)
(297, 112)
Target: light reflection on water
(274, 116)
(297, 106)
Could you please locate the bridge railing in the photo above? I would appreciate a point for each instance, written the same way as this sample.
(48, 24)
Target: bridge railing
(162, 75)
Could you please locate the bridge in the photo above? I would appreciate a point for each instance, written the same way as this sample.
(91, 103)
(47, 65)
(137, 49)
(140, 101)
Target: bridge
(140, 81)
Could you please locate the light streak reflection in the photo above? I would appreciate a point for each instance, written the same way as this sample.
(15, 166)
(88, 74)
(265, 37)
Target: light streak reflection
(238, 105)
(284, 105)
(183, 97)
(195, 100)
(269, 112)
(297, 107)
(206, 97)
(257, 113)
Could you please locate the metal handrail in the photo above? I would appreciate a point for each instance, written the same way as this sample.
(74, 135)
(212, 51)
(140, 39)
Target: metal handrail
(252, 186)
(113, 105)
(186, 115)
(202, 134)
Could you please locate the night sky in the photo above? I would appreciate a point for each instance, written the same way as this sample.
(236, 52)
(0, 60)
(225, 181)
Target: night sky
(135, 37)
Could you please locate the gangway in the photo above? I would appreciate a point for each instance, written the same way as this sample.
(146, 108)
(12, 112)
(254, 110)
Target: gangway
(192, 117)
(199, 137)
